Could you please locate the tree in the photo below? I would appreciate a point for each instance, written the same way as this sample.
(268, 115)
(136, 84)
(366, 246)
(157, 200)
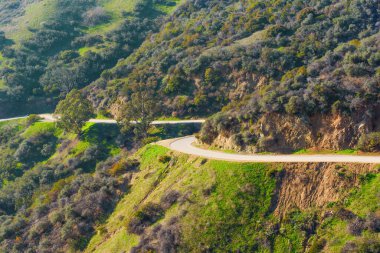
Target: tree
(139, 111)
(95, 16)
(74, 111)
(62, 79)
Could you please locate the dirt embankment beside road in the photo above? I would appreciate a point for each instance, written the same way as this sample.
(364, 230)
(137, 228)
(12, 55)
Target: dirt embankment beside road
(286, 133)
(315, 185)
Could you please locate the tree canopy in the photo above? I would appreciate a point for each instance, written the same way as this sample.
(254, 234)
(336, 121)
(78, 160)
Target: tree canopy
(74, 111)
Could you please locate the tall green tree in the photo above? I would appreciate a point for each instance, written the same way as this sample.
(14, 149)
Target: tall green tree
(74, 111)
(139, 111)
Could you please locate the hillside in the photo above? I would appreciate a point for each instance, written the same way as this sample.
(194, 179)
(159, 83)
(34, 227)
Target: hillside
(50, 47)
(57, 187)
(179, 203)
(314, 63)
(62, 193)
(269, 76)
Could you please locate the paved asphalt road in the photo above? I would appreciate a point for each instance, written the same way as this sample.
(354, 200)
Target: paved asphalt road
(50, 118)
(185, 145)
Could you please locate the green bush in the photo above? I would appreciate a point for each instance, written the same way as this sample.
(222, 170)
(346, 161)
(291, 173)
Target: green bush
(32, 118)
(147, 216)
(370, 142)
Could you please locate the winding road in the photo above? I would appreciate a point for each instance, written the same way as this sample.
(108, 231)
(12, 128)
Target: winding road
(185, 145)
(50, 118)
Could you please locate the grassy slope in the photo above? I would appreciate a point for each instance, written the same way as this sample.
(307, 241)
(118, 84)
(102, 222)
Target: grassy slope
(35, 14)
(361, 202)
(191, 176)
(232, 216)
(116, 8)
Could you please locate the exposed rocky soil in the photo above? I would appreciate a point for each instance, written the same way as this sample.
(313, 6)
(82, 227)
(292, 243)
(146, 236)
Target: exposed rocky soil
(305, 186)
(287, 133)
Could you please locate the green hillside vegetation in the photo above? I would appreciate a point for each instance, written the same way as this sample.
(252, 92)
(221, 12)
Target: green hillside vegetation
(254, 58)
(296, 76)
(49, 177)
(34, 15)
(68, 45)
(255, 38)
(91, 193)
(188, 204)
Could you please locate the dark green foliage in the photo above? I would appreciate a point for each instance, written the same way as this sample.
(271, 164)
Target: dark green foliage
(36, 148)
(33, 118)
(42, 69)
(139, 111)
(370, 142)
(74, 111)
(164, 159)
(30, 60)
(145, 217)
(67, 203)
(303, 63)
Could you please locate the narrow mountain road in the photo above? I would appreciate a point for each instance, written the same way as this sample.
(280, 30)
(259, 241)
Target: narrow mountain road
(51, 118)
(15, 118)
(185, 145)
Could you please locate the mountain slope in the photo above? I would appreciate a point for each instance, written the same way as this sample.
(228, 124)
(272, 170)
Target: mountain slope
(56, 188)
(256, 60)
(179, 203)
(66, 45)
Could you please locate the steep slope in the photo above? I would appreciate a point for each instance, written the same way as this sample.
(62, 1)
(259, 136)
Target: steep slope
(56, 188)
(258, 59)
(179, 203)
(63, 193)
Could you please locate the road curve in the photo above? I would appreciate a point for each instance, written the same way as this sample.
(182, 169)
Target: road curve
(184, 145)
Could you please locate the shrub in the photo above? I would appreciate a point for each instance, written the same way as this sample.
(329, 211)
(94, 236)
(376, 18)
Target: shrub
(163, 238)
(169, 198)
(147, 216)
(33, 118)
(369, 142)
(164, 159)
(150, 139)
(356, 227)
(373, 223)
(265, 143)
(123, 166)
(208, 133)
(345, 214)
(95, 16)
(369, 246)
(317, 246)
(350, 247)
(237, 139)
(36, 148)
(294, 105)
(364, 245)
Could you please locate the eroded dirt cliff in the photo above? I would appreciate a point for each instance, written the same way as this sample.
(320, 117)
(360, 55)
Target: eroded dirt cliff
(314, 185)
(287, 133)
